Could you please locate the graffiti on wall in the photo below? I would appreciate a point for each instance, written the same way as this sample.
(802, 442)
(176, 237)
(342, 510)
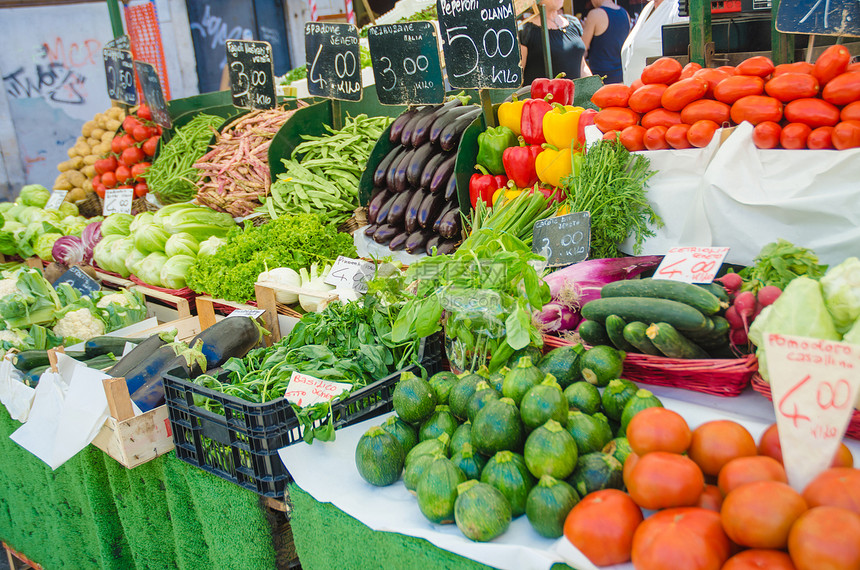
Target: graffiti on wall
(55, 73)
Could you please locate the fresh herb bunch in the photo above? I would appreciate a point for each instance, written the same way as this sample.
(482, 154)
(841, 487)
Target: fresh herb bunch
(778, 263)
(291, 241)
(611, 187)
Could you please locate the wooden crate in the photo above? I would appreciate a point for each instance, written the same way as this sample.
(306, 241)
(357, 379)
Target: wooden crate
(177, 307)
(18, 561)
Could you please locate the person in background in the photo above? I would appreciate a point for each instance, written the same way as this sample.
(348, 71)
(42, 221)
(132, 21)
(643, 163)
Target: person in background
(646, 37)
(565, 45)
(603, 33)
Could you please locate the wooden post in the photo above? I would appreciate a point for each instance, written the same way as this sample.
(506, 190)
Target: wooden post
(369, 12)
(336, 120)
(487, 107)
(266, 300)
(119, 401)
(781, 45)
(544, 40)
(701, 42)
(205, 312)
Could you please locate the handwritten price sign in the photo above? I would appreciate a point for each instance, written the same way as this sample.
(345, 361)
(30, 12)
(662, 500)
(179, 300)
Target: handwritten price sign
(118, 201)
(350, 273)
(250, 313)
(691, 264)
(56, 199)
(814, 384)
(304, 390)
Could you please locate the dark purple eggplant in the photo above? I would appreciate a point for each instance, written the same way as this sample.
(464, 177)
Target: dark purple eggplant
(429, 210)
(392, 169)
(398, 242)
(447, 246)
(445, 119)
(400, 181)
(398, 208)
(385, 233)
(450, 137)
(375, 204)
(450, 224)
(417, 241)
(430, 169)
(451, 189)
(406, 134)
(370, 230)
(386, 207)
(447, 207)
(421, 133)
(443, 173)
(381, 170)
(417, 163)
(399, 123)
(410, 220)
(431, 243)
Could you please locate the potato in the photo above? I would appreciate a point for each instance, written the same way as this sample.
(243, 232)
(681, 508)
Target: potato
(76, 194)
(76, 178)
(97, 134)
(113, 125)
(108, 136)
(88, 187)
(88, 128)
(115, 113)
(72, 152)
(62, 183)
(65, 165)
(81, 139)
(89, 171)
(93, 142)
(91, 159)
(76, 162)
(83, 148)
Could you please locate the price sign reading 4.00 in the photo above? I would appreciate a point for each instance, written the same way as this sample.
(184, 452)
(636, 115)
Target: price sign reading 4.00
(333, 61)
(406, 66)
(118, 201)
(691, 264)
(251, 74)
(119, 73)
(480, 43)
(350, 273)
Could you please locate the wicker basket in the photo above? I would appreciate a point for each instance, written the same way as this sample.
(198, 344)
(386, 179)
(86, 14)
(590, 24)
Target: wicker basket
(184, 293)
(762, 387)
(718, 377)
(358, 219)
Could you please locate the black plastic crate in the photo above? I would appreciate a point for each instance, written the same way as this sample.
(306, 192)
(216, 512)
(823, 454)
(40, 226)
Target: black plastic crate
(242, 445)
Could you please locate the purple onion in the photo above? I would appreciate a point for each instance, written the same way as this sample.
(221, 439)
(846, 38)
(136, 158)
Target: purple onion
(68, 250)
(91, 235)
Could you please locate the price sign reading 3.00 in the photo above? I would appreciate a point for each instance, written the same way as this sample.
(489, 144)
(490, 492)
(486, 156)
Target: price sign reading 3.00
(406, 66)
(691, 264)
(333, 61)
(119, 73)
(251, 74)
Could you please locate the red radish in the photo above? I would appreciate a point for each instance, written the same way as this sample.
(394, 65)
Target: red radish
(734, 318)
(738, 337)
(731, 281)
(767, 295)
(745, 305)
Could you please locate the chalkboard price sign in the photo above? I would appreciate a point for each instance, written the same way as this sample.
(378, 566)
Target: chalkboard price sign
(252, 79)
(832, 18)
(79, 280)
(119, 72)
(122, 42)
(564, 240)
(480, 43)
(333, 61)
(406, 66)
(151, 86)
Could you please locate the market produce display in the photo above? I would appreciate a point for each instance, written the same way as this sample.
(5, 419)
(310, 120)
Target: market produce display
(29, 229)
(131, 152)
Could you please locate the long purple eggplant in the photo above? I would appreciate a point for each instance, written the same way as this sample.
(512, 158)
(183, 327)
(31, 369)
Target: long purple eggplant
(375, 204)
(398, 242)
(445, 119)
(432, 242)
(430, 169)
(392, 169)
(451, 189)
(381, 170)
(398, 208)
(400, 181)
(450, 224)
(417, 163)
(370, 230)
(385, 233)
(417, 241)
(406, 133)
(399, 123)
(447, 246)
(450, 136)
(430, 209)
(447, 207)
(410, 220)
(443, 173)
(382, 215)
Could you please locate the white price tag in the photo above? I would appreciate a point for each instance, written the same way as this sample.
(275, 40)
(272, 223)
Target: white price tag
(304, 390)
(118, 201)
(691, 264)
(253, 313)
(56, 199)
(350, 273)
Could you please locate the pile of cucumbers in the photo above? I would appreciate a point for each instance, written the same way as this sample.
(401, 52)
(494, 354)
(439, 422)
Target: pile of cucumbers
(660, 318)
(98, 353)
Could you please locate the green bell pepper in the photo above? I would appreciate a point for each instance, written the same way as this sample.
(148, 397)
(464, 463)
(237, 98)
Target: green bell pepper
(491, 144)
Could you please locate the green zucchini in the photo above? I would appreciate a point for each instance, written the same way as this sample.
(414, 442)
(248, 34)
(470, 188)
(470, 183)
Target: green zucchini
(634, 333)
(30, 359)
(615, 330)
(100, 345)
(718, 290)
(31, 378)
(648, 310)
(100, 362)
(697, 297)
(593, 333)
(672, 343)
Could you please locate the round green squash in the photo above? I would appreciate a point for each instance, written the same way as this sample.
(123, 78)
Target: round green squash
(437, 490)
(591, 432)
(641, 400)
(497, 427)
(442, 383)
(548, 504)
(521, 379)
(461, 393)
(543, 402)
(401, 430)
(413, 471)
(507, 472)
(462, 434)
(550, 450)
(583, 397)
(414, 399)
(429, 447)
(596, 471)
(602, 363)
(440, 421)
(470, 462)
(379, 457)
(619, 448)
(481, 511)
(497, 378)
(615, 396)
(563, 363)
(484, 394)
(533, 352)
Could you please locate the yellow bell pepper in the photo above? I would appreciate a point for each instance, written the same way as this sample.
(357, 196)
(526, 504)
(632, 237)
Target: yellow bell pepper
(553, 164)
(562, 210)
(560, 126)
(510, 114)
(505, 194)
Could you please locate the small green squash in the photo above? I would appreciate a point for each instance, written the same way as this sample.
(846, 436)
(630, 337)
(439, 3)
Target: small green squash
(507, 472)
(602, 363)
(521, 379)
(615, 396)
(429, 447)
(550, 450)
(596, 471)
(469, 462)
(461, 393)
(414, 399)
(481, 511)
(543, 402)
(442, 383)
(437, 490)
(583, 397)
(414, 470)
(484, 394)
(548, 504)
(619, 448)
(401, 430)
(440, 421)
(379, 457)
(563, 363)
(498, 427)
(497, 378)
(462, 435)
(531, 351)
(641, 400)
(591, 432)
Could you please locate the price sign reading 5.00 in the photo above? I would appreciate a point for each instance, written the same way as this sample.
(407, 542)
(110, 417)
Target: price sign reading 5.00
(119, 74)
(333, 61)
(406, 66)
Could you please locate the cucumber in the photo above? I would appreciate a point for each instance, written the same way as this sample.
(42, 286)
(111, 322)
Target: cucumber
(615, 330)
(30, 359)
(697, 297)
(100, 345)
(648, 310)
(593, 333)
(672, 343)
(718, 291)
(634, 333)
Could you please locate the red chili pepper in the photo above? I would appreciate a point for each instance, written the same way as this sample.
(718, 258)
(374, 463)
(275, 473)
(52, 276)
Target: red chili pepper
(560, 89)
(482, 186)
(531, 122)
(585, 118)
(519, 162)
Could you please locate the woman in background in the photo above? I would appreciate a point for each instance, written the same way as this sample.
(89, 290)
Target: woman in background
(646, 38)
(604, 31)
(565, 45)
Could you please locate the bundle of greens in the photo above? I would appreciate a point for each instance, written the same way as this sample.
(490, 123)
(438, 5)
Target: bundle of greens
(778, 263)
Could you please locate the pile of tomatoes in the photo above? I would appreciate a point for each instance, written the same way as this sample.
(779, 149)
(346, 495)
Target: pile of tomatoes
(791, 106)
(132, 150)
(721, 502)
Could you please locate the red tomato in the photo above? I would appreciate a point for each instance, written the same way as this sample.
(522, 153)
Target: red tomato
(131, 156)
(655, 138)
(715, 111)
(710, 499)
(116, 145)
(103, 165)
(701, 133)
(138, 171)
(812, 112)
(632, 138)
(717, 442)
(97, 180)
(790, 86)
(109, 179)
(683, 92)
(665, 70)
(842, 89)
(647, 97)
(759, 66)
(820, 139)
(851, 112)
(711, 76)
(794, 135)
(759, 559)
(140, 189)
(140, 133)
(853, 67)
(832, 62)
(127, 141)
(662, 480)
(737, 87)
(676, 136)
(825, 538)
(796, 67)
(129, 123)
(150, 146)
(659, 429)
(843, 458)
(144, 113)
(100, 191)
(688, 537)
(760, 514)
(846, 134)
(637, 83)
(766, 135)
(615, 119)
(730, 69)
(612, 95)
(756, 108)
(123, 174)
(661, 117)
(768, 443)
(602, 526)
(690, 70)
(610, 135)
(835, 487)
(742, 470)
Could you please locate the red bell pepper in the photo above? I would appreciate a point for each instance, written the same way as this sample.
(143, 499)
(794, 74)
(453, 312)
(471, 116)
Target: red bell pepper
(561, 90)
(519, 162)
(482, 186)
(531, 122)
(585, 118)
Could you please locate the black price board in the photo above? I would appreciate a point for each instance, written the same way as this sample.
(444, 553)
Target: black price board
(406, 66)
(333, 61)
(79, 280)
(824, 17)
(119, 73)
(252, 79)
(480, 43)
(150, 84)
(564, 240)
(122, 42)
